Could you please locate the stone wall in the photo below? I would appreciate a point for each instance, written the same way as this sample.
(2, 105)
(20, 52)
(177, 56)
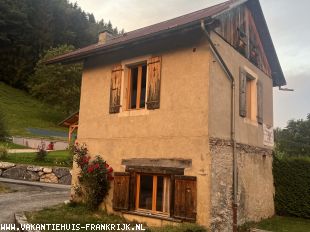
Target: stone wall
(59, 175)
(255, 184)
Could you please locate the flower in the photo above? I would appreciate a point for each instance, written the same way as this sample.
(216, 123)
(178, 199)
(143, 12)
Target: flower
(90, 169)
(96, 166)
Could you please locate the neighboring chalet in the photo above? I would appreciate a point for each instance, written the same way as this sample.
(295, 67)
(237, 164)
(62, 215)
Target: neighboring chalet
(183, 112)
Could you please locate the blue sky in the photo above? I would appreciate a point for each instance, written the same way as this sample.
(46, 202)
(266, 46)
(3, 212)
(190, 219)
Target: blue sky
(288, 24)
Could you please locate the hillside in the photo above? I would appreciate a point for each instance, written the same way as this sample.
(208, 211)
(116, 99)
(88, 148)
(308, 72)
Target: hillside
(23, 113)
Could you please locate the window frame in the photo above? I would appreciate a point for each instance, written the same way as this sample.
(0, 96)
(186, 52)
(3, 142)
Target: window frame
(154, 194)
(251, 98)
(129, 68)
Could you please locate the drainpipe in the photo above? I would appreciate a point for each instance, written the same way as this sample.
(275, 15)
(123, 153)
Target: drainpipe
(233, 123)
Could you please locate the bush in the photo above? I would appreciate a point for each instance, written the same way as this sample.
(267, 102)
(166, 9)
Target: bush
(292, 185)
(94, 179)
(3, 152)
(41, 154)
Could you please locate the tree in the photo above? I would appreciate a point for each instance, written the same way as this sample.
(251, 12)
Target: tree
(294, 139)
(58, 85)
(29, 27)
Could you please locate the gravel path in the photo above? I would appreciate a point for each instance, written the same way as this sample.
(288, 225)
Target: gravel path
(28, 198)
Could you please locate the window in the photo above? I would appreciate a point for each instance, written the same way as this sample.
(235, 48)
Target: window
(251, 97)
(136, 87)
(164, 195)
(152, 192)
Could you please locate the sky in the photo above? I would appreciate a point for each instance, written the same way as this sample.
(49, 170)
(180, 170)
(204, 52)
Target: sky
(288, 25)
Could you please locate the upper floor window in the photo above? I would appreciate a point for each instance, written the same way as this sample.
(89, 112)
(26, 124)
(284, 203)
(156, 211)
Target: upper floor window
(140, 86)
(136, 97)
(250, 97)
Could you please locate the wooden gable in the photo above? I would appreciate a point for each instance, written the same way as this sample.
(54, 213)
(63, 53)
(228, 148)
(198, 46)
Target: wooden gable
(237, 27)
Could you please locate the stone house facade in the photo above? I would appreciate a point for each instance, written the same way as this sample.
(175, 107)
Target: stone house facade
(183, 112)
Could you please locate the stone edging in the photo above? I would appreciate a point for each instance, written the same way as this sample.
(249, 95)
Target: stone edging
(59, 175)
(21, 219)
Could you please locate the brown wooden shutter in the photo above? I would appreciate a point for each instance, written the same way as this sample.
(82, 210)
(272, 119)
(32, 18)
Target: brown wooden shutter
(115, 92)
(153, 86)
(121, 191)
(242, 95)
(185, 197)
(260, 100)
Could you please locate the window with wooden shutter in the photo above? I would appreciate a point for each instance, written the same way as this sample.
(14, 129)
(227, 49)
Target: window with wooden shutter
(121, 191)
(185, 197)
(153, 85)
(242, 95)
(260, 95)
(115, 92)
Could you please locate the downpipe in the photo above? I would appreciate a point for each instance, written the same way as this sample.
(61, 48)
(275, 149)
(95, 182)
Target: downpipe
(233, 123)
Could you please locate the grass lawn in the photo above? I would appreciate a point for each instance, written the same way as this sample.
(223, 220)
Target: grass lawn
(10, 145)
(53, 158)
(23, 111)
(285, 224)
(78, 214)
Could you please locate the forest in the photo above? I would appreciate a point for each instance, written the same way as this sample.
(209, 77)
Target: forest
(31, 29)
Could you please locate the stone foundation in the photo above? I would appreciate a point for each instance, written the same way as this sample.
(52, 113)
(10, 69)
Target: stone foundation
(59, 175)
(255, 184)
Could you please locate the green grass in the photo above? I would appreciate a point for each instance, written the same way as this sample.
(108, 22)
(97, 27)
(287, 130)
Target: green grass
(10, 145)
(53, 158)
(285, 224)
(78, 214)
(23, 111)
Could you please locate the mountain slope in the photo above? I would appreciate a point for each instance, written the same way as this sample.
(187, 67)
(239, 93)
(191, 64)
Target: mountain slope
(23, 111)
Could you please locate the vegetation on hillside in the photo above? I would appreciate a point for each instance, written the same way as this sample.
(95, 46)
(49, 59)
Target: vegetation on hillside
(3, 126)
(57, 84)
(29, 27)
(22, 111)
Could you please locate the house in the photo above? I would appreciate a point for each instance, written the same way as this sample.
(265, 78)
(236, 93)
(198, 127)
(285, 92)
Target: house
(183, 112)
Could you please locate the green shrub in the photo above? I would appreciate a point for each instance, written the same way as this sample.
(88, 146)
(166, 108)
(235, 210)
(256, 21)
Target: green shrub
(3, 152)
(41, 154)
(292, 185)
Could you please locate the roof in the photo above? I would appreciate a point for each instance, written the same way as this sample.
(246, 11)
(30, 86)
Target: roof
(73, 119)
(179, 23)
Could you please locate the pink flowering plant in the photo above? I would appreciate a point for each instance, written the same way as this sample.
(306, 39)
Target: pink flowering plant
(94, 179)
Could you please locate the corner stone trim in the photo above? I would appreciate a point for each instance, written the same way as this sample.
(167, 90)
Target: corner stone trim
(216, 142)
(56, 175)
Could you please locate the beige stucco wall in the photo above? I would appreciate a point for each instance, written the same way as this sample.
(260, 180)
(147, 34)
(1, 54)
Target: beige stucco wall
(179, 129)
(247, 132)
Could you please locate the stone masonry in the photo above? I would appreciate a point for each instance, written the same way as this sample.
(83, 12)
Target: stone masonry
(255, 184)
(59, 175)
